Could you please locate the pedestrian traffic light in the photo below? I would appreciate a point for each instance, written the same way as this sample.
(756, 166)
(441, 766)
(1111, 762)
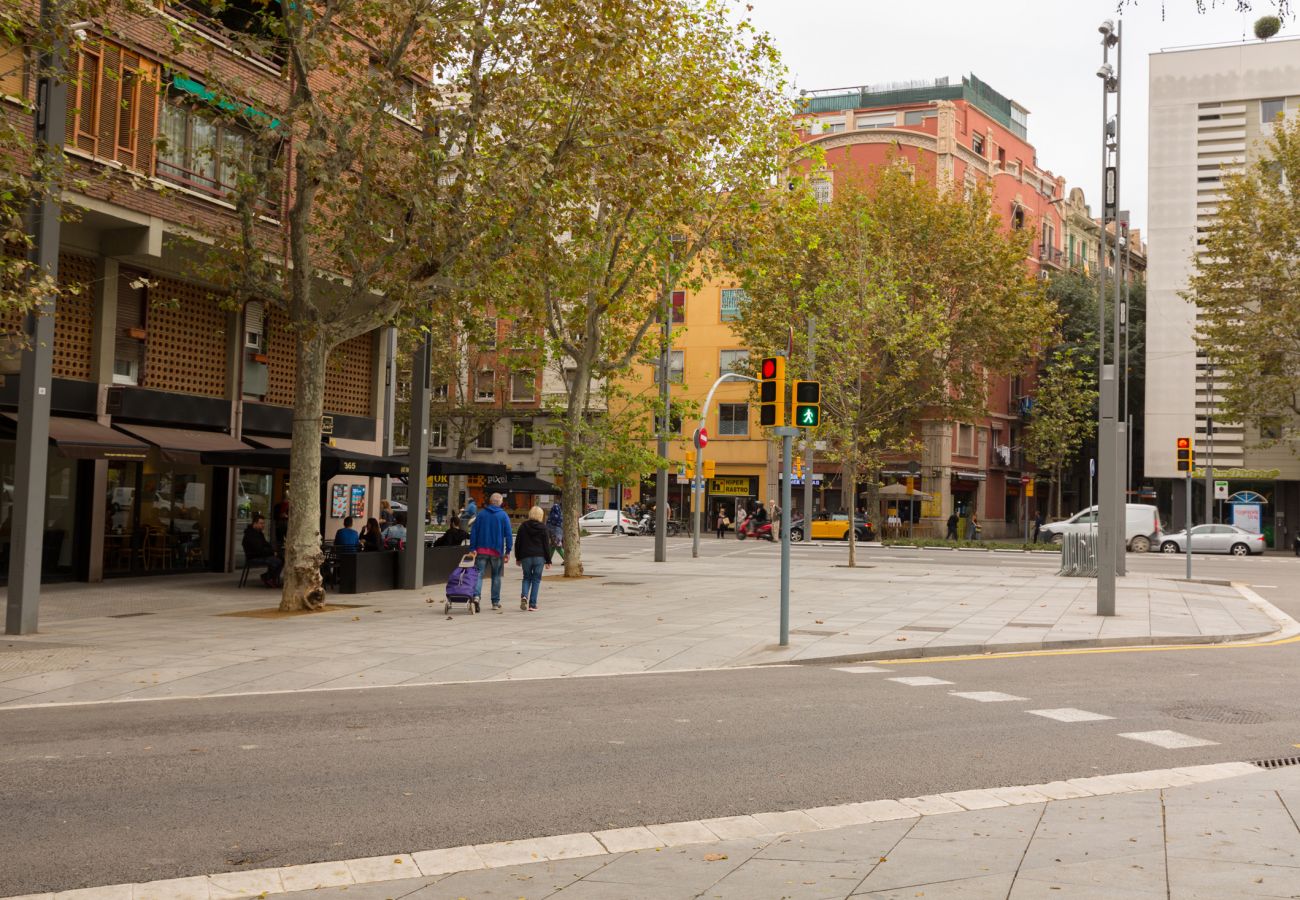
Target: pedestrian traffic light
(807, 404)
(911, 485)
(771, 391)
(1186, 457)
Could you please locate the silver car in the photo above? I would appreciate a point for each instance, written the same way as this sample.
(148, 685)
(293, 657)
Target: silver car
(1215, 539)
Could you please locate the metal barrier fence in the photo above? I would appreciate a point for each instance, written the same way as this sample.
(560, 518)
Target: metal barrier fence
(1079, 555)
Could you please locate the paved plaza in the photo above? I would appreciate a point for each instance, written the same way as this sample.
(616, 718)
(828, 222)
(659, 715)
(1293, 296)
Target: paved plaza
(175, 636)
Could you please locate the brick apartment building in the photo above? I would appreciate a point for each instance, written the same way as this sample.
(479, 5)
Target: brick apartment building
(151, 370)
(959, 136)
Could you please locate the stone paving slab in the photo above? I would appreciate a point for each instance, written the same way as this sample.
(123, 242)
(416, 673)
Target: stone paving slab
(635, 616)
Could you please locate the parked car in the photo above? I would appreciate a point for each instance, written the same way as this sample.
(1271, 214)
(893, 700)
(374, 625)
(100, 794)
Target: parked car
(1141, 526)
(607, 521)
(831, 527)
(1215, 539)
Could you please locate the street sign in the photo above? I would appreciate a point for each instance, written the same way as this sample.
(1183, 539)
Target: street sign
(1092, 468)
(1220, 490)
(1029, 487)
(701, 437)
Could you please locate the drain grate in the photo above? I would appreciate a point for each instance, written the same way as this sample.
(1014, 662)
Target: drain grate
(1223, 715)
(1278, 763)
(130, 615)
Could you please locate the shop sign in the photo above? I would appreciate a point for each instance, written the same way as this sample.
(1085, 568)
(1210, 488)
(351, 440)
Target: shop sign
(732, 485)
(1242, 474)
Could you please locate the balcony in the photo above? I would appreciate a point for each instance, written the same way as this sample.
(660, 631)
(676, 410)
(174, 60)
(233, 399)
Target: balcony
(1051, 256)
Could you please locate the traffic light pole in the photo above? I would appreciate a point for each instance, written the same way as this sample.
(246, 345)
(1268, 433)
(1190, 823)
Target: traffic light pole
(787, 436)
(1188, 532)
(697, 483)
(808, 443)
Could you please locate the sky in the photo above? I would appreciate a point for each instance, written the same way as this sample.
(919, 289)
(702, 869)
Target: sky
(1043, 54)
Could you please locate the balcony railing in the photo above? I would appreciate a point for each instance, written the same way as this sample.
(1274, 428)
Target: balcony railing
(1051, 255)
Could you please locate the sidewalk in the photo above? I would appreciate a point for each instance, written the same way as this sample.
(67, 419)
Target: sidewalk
(175, 637)
(1217, 832)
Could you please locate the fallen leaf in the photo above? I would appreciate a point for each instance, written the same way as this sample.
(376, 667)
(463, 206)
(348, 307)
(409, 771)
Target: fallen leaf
(819, 621)
(356, 618)
(714, 857)
(900, 638)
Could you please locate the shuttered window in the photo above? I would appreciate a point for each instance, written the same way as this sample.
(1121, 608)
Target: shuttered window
(128, 345)
(12, 70)
(113, 105)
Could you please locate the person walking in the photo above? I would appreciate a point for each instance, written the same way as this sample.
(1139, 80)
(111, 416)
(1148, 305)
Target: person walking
(491, 540)
(952, 527)
(1038, 524)
(723, 522)
(555, 524)
(741, 516)
(972, 527)
(471, 510)
(533, 553)
(441, 511)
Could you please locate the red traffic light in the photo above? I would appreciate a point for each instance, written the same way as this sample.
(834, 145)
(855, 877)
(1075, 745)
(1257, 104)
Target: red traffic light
(768, 369)
(1184, 443)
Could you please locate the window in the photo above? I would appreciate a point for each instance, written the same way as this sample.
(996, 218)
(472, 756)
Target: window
(822, 190)
(676, 367)
(199, 153)
(13, 69)
(977, 143)
(254, 316)
(965, 440)
(485, 387)
(484, 439)
(490, 334)
(679, 307)
(732, 298)
(521, 434)
(834, 127)
(86, 113)
(255, 19)
(128, 343)
(440, 393)
(877, 120)
(733, 361)
(1002, 157)
(1017, 217)
(1270, 109)
(733, 419)
(523, 387)
(438, 435)
(918, 116)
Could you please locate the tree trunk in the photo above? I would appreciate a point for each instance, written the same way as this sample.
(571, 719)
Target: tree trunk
(849, 476)
(303, 588)
(574, 420)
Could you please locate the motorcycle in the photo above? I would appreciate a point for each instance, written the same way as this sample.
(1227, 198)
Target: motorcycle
(758, 532)
(646, 525)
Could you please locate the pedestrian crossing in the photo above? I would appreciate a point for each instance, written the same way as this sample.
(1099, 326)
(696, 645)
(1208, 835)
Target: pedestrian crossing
(1163, 738)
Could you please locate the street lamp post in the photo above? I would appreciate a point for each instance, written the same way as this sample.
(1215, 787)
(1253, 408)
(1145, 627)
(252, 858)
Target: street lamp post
(1108, 509)
(697, 483)
(36, 376)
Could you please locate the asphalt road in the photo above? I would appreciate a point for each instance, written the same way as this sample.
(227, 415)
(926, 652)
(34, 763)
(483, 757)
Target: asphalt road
(133, 792)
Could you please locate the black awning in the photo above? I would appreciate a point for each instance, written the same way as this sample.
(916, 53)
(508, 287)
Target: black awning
(333, 461)
(531, 485)
(494, 473)
(83, 439)
(185, 445)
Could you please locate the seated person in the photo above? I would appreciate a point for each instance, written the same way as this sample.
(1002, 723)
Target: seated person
(372, 538)
(346, 539)
(454, 536)
(395, 534)
(259, 552)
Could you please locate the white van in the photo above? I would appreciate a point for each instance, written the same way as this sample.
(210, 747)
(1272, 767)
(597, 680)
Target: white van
(1141, 526)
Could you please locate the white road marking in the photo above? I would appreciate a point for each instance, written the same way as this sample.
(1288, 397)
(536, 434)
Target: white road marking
(854, 670)
(1169, 740)
(919, 680)
(986, 696)
(1069, 714)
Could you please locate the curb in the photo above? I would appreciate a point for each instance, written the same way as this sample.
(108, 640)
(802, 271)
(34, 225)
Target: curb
(431, 863)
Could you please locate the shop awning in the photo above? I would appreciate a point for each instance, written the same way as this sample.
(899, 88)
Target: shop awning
(495, 472)
(333, 461)
(269, 443)
(82, 438)
(531, 485)
(184, 445)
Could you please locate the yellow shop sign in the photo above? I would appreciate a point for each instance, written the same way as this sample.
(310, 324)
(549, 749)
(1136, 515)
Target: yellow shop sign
(732, 485)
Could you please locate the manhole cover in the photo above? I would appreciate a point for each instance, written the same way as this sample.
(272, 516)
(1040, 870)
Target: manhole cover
(1224, 715)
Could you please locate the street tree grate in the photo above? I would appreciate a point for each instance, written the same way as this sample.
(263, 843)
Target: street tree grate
(1278, 763)
(1222, 715)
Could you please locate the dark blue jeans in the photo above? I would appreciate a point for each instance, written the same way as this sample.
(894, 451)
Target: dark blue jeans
(273, 566)
(481, 563)
(533, 567)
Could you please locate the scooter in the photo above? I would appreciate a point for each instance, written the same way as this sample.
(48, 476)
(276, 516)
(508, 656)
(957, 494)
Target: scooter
(757, 532)
(646, 525)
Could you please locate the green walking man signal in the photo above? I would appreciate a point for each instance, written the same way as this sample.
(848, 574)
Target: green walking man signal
(807, 404)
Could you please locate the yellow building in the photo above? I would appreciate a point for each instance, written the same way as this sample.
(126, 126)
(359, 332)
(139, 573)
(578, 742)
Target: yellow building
(705, 345)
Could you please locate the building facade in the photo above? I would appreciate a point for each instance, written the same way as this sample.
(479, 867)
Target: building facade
(957, 136)
(153, 367)
(1211, 110)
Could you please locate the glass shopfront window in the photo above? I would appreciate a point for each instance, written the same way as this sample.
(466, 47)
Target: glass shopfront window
(123, 543)
(173, 510)
(60, 511)
(254, 498)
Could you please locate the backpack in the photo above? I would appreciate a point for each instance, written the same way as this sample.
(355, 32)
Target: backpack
(462, 583)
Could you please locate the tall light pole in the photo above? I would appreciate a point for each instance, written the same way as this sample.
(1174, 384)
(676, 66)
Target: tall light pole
(36, 374)
(1109, 512)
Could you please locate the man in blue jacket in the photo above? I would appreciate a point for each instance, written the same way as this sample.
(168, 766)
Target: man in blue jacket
(491, 540)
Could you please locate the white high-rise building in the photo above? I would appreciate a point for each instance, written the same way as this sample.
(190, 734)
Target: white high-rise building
(1211, 109)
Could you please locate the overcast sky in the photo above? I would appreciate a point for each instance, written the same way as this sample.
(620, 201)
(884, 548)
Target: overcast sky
(1043, 54)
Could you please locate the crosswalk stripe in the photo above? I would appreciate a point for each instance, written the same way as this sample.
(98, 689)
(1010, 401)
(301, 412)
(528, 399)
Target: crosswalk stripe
(919, 680)
(855, 670)
(1169, 740)
(986, 696)
(1069, 714)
